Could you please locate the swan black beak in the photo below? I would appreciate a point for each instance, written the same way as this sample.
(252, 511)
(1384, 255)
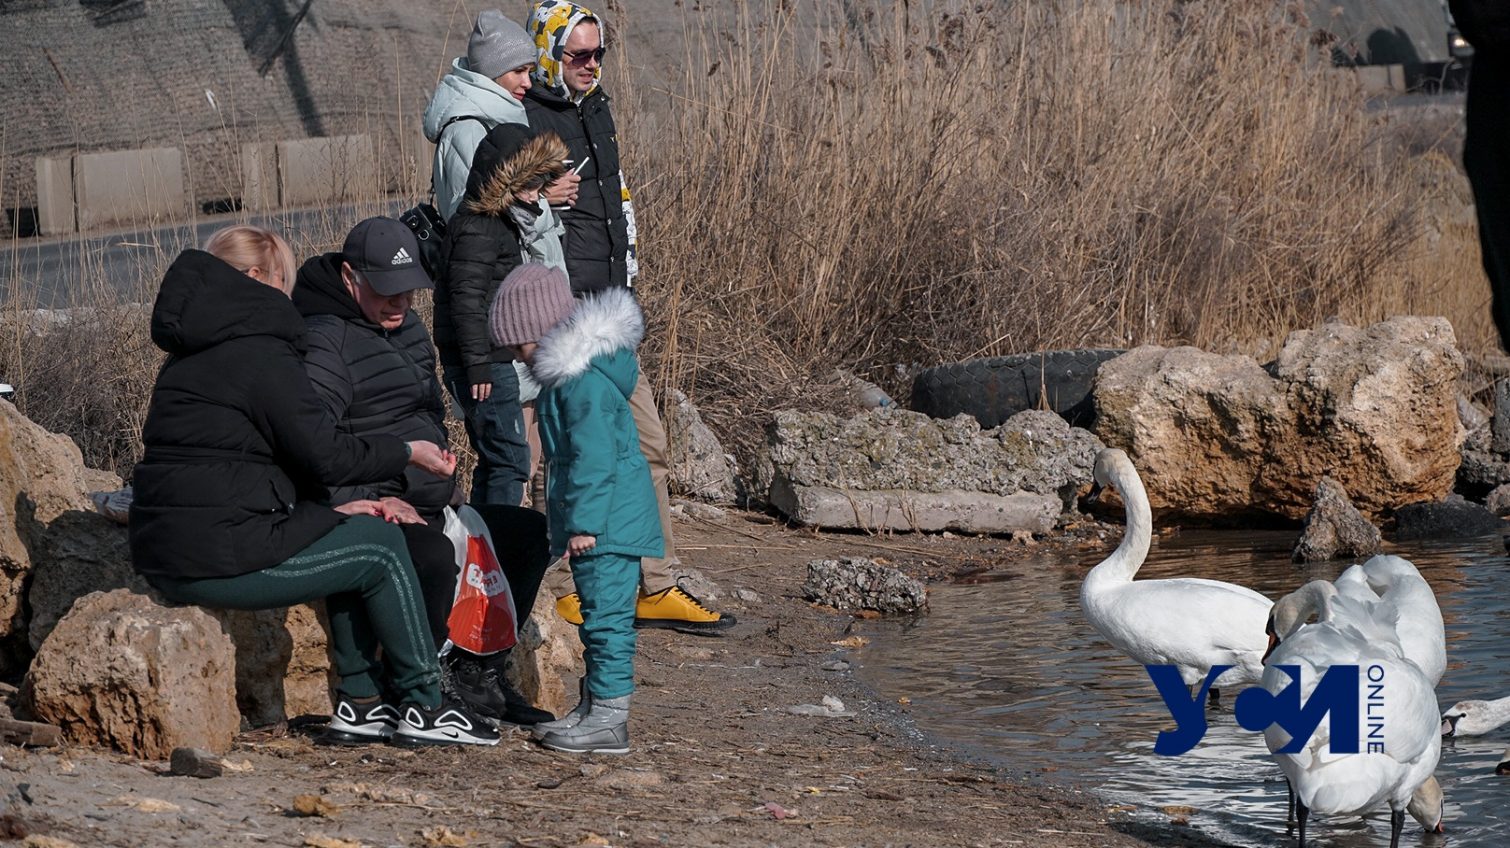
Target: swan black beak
(1095, 494)
(1450, 726)
(1273, 643)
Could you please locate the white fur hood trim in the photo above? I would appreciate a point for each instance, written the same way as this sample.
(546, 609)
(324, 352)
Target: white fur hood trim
(602, 323)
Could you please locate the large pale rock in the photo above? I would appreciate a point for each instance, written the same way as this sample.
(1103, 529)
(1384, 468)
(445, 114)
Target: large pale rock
(282, 661)
(547, 655)
(122, 671)
(897, 469)
(42, 476)
(1335, 529)
(1214, 436)
(699, 466)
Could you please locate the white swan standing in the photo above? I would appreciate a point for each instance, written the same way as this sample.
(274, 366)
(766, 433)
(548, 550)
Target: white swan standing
(1475, 718)
(1187, 622)
(1356, 632)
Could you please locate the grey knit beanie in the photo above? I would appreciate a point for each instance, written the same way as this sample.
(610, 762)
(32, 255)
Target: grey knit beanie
(531, 300)
(498, 45)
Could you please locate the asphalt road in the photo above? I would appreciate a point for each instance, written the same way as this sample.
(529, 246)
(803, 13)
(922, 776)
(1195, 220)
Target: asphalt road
(60, 272)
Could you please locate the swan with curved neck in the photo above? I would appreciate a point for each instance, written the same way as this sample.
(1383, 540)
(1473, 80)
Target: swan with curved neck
(1475, 718)
(1186, 622)
(1353, 631)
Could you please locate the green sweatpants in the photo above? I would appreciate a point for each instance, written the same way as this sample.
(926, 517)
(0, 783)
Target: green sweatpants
(609, 587)
(362, 570)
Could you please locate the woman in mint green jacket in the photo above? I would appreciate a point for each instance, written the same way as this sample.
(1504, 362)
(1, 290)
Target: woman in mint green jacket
(600, 501)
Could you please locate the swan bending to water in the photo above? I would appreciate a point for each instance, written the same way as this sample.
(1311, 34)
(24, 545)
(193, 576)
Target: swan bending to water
(1422, 636)
(1187, 622)
(1397, 582)
(1351, 631)
(1475, 718)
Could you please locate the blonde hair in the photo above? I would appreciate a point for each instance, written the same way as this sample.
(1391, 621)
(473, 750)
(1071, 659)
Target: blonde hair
(245, 247)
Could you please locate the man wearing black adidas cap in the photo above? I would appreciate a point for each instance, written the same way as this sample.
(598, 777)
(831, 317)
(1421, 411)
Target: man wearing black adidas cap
(372, 364)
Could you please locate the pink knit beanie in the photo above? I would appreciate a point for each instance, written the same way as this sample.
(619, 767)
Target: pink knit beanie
(532, 299)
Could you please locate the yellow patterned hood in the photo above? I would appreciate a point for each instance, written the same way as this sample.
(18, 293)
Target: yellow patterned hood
(550, 23)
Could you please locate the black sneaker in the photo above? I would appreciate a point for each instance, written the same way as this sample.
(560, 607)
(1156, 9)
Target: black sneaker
(352, 723)
(451, 723)
(470, 681)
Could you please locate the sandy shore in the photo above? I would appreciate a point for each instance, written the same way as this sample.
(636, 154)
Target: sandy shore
(717, 758)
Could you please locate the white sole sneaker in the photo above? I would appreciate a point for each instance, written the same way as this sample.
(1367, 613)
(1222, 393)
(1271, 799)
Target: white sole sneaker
(448, 724)
(360, 724)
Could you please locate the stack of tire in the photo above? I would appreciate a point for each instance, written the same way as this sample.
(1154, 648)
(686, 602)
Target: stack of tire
(996, 388)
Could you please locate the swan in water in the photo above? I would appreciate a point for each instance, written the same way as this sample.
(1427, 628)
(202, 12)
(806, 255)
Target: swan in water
(1396, 581)
(1422, 637)
(1504, 766)
(1351, 631)
(1475, 718)
(1186, 622)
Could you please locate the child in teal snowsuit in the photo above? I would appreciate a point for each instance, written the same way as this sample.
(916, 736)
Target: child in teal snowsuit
(600, 502)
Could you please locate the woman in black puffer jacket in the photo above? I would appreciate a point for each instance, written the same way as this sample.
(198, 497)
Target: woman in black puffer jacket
(226, 511)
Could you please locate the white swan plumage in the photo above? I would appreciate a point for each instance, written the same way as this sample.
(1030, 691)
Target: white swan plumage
(1356, 631)
(1186, 622)
(1475, 718)
(1422, 635)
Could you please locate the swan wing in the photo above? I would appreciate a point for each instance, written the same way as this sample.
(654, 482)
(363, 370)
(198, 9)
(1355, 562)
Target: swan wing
(1194, 624)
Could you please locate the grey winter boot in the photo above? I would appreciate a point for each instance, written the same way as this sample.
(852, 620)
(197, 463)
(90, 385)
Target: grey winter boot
(584, 703)
(604, 730)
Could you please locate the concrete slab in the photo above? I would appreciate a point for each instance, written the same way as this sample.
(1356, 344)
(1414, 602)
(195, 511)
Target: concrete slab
(129, 186)
(326, 170)
(966, 512)
(55, 210)
(259, 176)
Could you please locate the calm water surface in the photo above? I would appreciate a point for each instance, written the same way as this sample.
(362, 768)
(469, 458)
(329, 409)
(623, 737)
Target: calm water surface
(1008, 669)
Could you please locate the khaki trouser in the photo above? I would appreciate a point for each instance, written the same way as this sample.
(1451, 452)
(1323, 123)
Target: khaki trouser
(656, 575)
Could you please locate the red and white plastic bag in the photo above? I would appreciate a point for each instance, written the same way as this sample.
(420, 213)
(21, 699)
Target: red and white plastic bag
(483, 619)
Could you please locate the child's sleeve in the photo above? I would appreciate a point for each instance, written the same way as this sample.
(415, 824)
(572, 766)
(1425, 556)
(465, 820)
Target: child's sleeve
(591, 463)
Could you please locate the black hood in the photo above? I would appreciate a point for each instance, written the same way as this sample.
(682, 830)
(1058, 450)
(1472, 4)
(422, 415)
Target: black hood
(319, 290)
(203, 301)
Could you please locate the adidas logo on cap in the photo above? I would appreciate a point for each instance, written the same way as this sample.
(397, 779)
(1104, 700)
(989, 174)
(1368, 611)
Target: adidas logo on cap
(402, 258)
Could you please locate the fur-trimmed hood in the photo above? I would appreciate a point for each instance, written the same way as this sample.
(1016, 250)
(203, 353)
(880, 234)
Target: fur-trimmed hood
(508, 160)
(602, 325)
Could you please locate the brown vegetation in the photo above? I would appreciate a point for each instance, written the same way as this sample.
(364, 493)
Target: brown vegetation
(886, 189)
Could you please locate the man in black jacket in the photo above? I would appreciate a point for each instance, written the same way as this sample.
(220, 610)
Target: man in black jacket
(1486, 151)
(567, 100)
(372, 365)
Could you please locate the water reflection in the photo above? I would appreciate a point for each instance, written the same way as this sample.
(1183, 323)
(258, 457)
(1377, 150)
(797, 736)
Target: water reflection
(1006, 667)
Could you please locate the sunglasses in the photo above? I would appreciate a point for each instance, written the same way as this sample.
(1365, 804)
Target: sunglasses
(579, 58)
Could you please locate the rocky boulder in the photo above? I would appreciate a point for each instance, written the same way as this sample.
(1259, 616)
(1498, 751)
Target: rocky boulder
(282, 661)
(1450, 519)
(896, 469)
(42, 476)
(123, 671)
(1218, 436)
(282, 667)
(699, 467)
(547, 655)
(1335, 529)
(856, 583)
